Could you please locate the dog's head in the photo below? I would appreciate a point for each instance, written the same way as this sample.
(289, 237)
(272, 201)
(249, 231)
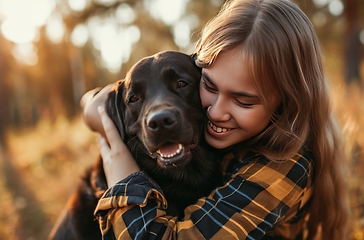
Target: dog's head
(158, 104)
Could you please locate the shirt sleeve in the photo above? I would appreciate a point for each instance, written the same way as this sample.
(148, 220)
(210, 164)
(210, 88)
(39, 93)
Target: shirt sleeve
(251, 202)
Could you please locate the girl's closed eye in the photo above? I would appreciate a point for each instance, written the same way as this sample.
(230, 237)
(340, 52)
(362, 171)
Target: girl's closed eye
(244, 105)
(208, 86)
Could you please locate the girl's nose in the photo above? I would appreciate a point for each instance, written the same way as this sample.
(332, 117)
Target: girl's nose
(218, 111)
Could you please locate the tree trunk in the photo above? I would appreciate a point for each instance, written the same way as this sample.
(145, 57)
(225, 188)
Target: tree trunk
(3, 97)
(352, 43)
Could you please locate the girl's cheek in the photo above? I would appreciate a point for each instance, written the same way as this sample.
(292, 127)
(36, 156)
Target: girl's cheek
(205, 98)
(202, 94)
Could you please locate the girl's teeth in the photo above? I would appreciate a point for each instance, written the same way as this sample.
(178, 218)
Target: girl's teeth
(218, 129)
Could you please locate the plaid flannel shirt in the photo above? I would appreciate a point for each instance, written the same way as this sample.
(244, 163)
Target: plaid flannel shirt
(261, 199)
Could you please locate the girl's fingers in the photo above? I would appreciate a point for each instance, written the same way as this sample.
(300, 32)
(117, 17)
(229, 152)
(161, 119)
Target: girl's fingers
(117, 160)
(111, 131)
(89, 104)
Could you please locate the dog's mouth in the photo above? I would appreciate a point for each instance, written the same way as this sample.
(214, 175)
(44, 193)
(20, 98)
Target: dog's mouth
(174, 155)
(170, 150)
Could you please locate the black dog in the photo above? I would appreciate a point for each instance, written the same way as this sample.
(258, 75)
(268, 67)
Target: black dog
(158, 113)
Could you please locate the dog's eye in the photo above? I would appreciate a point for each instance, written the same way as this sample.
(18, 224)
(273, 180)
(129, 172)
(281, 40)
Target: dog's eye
(133, 99)
(181, 84)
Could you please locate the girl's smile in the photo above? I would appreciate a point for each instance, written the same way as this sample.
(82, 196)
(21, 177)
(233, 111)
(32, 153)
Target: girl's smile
(218, 132)
(218, 129)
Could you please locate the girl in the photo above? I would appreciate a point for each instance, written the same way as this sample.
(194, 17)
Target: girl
(267, 105)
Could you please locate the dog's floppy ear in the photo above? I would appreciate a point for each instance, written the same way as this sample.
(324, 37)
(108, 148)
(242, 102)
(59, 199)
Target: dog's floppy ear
(115, 108)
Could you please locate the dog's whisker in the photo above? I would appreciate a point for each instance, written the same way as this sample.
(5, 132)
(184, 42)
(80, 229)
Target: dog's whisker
(134, 144)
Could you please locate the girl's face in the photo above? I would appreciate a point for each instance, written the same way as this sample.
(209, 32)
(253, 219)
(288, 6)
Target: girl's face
(235, 111)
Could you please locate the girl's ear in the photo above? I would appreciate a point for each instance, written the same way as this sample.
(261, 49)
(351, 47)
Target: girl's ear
(115, 108)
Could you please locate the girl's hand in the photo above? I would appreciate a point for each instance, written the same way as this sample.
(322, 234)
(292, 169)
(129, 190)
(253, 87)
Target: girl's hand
(89, 104)
(117, 160)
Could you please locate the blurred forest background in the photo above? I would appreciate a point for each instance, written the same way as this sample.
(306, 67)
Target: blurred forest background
(53, 51)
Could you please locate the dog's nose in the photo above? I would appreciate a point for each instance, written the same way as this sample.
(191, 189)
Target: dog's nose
(161, 120)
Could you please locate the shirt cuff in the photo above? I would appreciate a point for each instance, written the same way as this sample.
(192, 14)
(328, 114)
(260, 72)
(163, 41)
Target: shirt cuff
(136, 189)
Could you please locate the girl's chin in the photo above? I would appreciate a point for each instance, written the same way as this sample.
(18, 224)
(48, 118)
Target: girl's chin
(215, 143)
(224, 141)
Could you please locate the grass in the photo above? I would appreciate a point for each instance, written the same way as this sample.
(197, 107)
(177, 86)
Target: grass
(42, 168)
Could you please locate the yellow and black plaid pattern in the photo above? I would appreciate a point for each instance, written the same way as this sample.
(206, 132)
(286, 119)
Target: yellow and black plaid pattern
(261, 199)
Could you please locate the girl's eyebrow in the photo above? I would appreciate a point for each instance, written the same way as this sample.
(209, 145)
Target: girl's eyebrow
(232, 93)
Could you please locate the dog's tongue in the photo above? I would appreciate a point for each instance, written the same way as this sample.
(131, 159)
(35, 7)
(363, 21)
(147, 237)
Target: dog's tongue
(169, 148)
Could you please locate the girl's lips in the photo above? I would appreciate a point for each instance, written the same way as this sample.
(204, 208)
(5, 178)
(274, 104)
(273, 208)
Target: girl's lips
(217, 131)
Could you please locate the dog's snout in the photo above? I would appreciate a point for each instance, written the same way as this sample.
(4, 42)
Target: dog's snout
(161, 120)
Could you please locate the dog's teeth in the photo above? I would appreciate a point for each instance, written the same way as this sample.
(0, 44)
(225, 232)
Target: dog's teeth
(153, 155)
(166, 156)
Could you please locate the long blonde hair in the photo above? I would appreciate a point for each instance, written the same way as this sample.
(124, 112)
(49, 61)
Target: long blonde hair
(279, 43)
